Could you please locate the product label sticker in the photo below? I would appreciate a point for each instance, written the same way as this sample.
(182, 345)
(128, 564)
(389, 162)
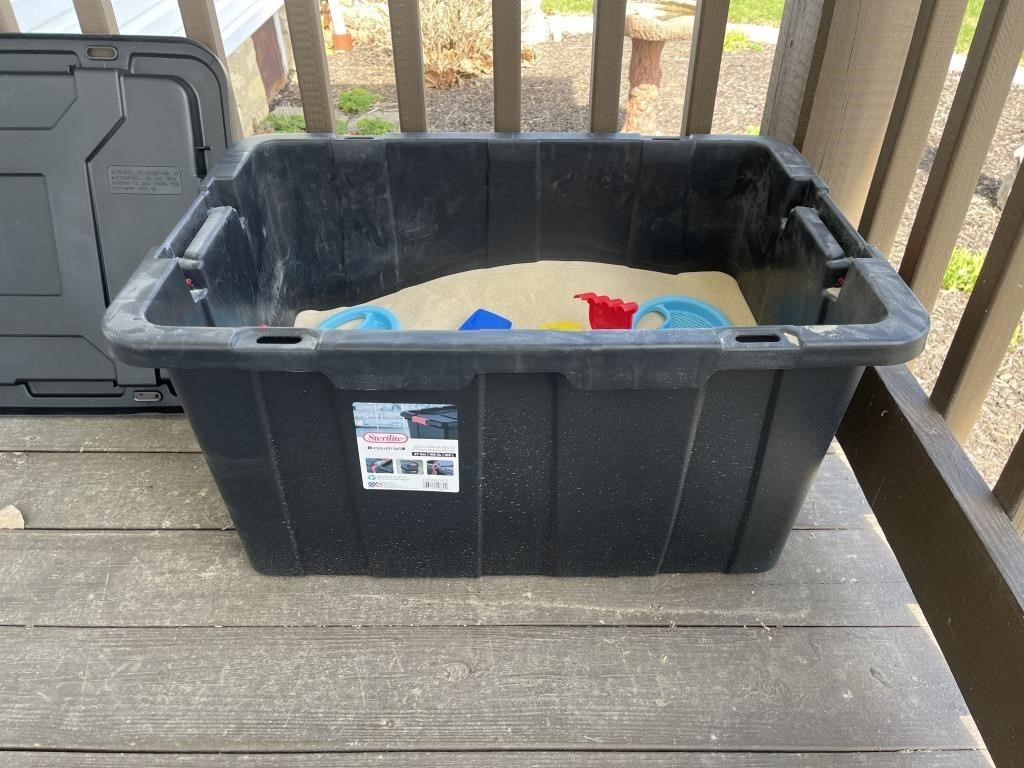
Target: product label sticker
(408, 446)
(144, 179)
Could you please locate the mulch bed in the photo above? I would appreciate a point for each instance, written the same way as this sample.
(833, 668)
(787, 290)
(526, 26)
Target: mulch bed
(555, 97)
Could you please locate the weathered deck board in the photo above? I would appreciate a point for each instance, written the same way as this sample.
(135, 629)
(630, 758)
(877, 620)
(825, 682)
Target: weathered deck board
(166, 641)
(202, 578)
(835, 500)
(166, 490)
(112, 490)
(126, 432)
(477, 688)
(958, 759)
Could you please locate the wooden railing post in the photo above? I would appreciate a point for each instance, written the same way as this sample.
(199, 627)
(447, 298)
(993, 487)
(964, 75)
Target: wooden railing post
(8, 21)
(507, 23)
(705, 63)
(1010, 486)
(201, 24)
(311, 69)
(987, 326)
(795, 69)
(407, 46)
(916, 100)
(842, 85)
(606, 64)
(984, 85)
(96, 17)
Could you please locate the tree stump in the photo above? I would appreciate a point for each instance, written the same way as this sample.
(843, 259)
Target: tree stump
(648, 30)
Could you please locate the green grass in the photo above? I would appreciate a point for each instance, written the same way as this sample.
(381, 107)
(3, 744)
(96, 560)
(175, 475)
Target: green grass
(750, 129)
(279, 123)
(769, 13)
(963, 270)
(740, 41)
(962, 275)
(567, 6)
(374, 126)
(765, 12)
(356, 101)
(963, 40)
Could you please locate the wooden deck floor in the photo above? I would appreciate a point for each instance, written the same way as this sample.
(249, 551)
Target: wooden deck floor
(133, 633)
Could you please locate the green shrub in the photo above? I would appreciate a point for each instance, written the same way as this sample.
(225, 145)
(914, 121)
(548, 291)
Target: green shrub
(752, 130)
(374, 126)
(963, 269)
(740, 41)
(279, 123)
(356, 101)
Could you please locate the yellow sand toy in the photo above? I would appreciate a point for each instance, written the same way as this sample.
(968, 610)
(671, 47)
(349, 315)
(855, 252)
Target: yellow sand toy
(561, 325)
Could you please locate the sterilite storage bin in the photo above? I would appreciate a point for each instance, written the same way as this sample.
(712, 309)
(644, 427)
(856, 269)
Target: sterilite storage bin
(577, 453)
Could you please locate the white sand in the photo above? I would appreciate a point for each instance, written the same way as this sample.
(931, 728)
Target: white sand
(539, 292)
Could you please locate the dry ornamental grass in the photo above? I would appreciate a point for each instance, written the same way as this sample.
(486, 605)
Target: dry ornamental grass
(457, 43)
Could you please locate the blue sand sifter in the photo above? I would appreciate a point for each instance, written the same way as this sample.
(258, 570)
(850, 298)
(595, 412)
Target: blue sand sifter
(374, 319)
(681, 312)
